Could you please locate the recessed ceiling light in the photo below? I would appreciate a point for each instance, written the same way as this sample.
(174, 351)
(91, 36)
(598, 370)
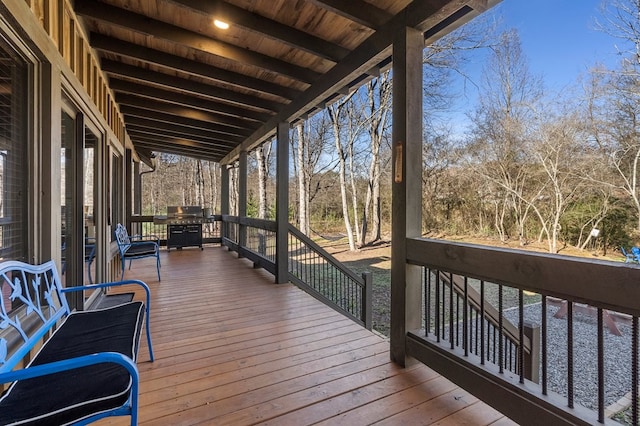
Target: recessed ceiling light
(220, 24)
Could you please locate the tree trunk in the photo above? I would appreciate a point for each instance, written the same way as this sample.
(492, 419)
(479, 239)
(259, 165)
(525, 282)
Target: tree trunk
(262, 154)
(303, 181)
(334, 112)
(378, 110)
(354, 190)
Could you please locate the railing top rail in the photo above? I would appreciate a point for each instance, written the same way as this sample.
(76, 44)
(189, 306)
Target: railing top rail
(605, 284)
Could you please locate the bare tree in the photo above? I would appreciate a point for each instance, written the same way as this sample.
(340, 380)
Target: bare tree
(621, 19)
(233, 190)
(304, 178)
(379, 103)
(506, 108)
(337, 113)
(214, 173)
(558, 153)
(262, 158)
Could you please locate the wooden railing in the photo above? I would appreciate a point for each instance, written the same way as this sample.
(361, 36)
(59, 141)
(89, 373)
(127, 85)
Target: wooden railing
(310, 267)
(527, 286)
(252, 238)
(457, 310)
(320, 274)
(145, 225)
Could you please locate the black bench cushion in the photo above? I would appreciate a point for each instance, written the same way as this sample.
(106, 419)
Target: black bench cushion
(68, 396)
(141, 249)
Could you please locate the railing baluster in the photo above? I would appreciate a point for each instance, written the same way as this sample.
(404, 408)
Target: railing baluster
(500, 331)
(457, 319)
(600, 366)
(465, 334)
(437, 306)
(569, 354)
(451, 310)
(427, 299)
(520, 349)
(482, 336)
(444, 304)
(634, 371)
(543, 314)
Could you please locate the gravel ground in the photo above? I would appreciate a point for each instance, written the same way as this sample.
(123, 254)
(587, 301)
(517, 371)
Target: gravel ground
(617, 356)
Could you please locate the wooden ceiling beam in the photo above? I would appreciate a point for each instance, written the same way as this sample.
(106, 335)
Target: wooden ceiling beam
(123, 86)
(183, 121)
(154, 132)
(190, 132)
(154, 139)
(123, 48)
(358, 11)
(269, 28)
(234, 124)
(177, 147)
(171, 82)
(112, 15)
(420, 14)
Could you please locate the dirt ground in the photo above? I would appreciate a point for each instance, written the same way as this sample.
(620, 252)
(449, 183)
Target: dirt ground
(377, 260)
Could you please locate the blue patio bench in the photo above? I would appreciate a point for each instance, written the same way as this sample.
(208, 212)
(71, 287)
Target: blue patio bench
(137, 247)
(85, 370)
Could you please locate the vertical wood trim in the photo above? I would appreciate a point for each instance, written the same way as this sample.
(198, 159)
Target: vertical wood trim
(282, 204)
(242, 198)
(132, 178)
(406, 186)
(51, 188)
(224, 189)
(71, 54)
(74, 238)
(242, 184)
(58, 19)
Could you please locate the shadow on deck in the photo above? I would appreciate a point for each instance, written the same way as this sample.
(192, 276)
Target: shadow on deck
(234, 348)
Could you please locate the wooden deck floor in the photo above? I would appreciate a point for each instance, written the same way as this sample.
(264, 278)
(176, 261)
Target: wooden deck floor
(232, 348)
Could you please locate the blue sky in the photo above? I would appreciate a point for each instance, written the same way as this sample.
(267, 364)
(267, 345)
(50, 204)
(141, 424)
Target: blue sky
(559, 39)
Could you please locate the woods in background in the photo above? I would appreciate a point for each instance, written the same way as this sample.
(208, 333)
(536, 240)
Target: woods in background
(528, 164)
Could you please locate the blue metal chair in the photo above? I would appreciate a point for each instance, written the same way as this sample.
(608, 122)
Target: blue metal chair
(635, 252)
(137, 247)
(89, 256)
(628, 257)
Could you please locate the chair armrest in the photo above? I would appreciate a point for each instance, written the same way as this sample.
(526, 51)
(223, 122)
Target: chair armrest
(71, 364)
(114, 284)
(154, 238)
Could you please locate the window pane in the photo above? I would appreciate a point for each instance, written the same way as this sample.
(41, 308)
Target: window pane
(14, 98)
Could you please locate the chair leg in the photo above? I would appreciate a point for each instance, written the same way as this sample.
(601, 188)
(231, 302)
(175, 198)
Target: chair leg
(158, 266)
(89, 272)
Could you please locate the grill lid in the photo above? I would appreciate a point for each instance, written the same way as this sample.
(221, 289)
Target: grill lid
(181, 212)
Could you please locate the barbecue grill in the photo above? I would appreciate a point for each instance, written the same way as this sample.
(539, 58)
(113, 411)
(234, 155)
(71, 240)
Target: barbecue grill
(184, 227)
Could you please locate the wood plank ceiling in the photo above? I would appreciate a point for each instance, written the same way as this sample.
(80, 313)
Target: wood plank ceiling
(189, 88)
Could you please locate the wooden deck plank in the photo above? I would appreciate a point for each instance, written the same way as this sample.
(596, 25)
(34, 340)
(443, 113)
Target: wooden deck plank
(234, 348)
